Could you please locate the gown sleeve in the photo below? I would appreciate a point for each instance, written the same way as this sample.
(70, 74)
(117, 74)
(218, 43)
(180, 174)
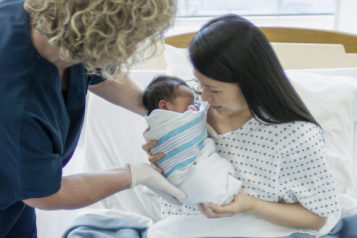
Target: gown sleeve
(305, 176)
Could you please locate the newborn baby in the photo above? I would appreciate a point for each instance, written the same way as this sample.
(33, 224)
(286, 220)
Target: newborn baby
(180, 128)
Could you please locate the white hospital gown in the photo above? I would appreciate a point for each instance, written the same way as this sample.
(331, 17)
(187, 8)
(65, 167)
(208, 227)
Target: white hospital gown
(276, 163)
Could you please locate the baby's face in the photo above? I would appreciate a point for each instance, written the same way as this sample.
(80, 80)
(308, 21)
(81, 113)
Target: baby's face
(184, 99)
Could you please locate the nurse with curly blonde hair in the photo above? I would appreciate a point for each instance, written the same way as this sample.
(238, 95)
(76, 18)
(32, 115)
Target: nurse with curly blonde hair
(52, 52)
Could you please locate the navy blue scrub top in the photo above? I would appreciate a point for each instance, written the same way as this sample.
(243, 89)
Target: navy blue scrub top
(39, 124)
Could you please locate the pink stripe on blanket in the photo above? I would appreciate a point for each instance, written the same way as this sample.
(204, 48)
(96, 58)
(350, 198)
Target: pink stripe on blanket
(174, 158)
(177, 137)
(189, 155)
(183, 140)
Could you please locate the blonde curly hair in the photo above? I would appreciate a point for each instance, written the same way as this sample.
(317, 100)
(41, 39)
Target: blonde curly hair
(104, 32)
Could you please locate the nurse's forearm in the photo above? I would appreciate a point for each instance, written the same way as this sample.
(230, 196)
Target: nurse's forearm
(84, 189)
(285, 214)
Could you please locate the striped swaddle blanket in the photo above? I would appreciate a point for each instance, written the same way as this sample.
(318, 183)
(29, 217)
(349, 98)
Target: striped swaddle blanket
(191, 163)
(180, 137)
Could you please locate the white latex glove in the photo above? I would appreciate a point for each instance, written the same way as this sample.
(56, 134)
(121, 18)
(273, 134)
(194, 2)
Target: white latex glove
(146, 175)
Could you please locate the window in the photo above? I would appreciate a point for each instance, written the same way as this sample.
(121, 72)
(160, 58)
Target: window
(313, 14)
(202, 8)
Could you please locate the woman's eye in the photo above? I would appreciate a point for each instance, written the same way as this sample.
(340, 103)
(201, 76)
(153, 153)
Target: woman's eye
(215, 91)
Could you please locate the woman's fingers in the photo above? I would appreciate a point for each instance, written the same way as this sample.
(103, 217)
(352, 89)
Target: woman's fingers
(214, 211)
(155, 158)
(146, 146)
(152, 158)
(220, 210)
(207, 212)
(156, 167)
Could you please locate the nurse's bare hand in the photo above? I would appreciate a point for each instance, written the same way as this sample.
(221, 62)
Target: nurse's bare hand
(152, 158)
(241, 204)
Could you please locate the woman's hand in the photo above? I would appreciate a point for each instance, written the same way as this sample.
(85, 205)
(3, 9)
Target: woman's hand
(283, 214)
(152, 158)
(241, 204)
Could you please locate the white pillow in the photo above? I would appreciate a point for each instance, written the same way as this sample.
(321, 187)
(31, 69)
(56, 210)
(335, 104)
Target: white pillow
(178, 63)
(330, 99)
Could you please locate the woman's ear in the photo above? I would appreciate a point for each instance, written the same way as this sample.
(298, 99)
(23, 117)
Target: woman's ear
(163, 105)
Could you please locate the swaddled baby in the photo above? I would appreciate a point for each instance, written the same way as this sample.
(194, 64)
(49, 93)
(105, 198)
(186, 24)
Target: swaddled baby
(180, 128)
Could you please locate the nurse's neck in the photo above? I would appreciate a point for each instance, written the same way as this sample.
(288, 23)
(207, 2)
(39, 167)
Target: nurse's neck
(48, 51)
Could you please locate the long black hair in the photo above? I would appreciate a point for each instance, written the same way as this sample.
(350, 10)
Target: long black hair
(232, 49)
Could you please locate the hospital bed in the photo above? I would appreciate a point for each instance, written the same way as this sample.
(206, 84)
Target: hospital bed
(112, 136)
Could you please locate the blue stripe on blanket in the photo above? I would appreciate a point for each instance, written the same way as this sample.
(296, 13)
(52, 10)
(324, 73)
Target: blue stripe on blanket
(181, 144)
(181, 138)
(184, 163)
(185, 146)
(178, 159)
(179, 130)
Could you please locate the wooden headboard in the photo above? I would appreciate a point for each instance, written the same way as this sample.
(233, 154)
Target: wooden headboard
(287, 35)
(296, 48)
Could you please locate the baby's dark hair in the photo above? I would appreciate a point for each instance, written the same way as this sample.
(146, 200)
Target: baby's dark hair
(162, 87)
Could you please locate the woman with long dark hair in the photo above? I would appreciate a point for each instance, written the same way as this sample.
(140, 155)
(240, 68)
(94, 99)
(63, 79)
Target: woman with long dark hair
(260, 124)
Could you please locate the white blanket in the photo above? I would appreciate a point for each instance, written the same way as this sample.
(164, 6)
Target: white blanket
(190, 161)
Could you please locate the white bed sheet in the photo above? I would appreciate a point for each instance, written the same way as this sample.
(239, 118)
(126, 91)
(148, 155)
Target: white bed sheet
(113, 136)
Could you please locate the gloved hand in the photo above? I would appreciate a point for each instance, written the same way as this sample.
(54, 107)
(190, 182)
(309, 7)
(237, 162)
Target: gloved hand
(146, 175)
